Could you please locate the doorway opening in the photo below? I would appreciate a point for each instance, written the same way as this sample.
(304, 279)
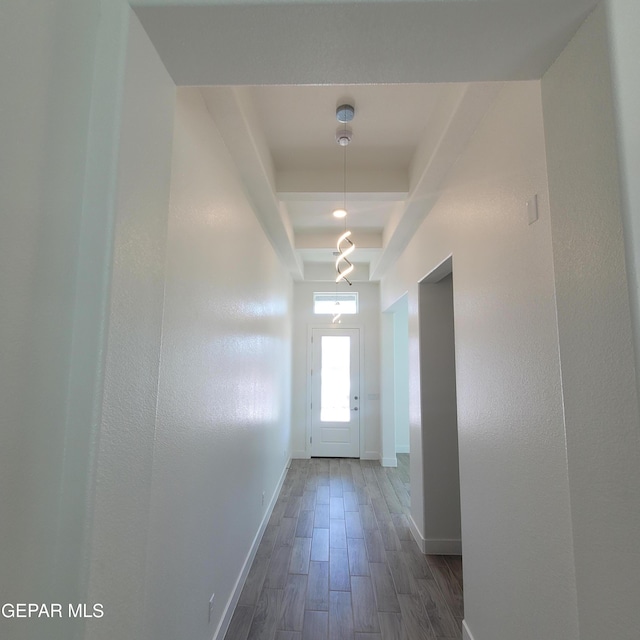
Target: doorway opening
(395, 443)
(439, 422)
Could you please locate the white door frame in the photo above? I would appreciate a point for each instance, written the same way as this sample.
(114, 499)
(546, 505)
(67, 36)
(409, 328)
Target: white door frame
(363, 381)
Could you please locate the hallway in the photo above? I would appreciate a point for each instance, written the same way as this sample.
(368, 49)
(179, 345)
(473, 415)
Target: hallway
(169, 178)
(337, 560)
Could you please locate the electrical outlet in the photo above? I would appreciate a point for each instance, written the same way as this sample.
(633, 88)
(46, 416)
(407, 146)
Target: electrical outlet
(213, 595)
(263, 498)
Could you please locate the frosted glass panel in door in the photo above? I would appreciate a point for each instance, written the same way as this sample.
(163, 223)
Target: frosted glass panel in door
(335, 381)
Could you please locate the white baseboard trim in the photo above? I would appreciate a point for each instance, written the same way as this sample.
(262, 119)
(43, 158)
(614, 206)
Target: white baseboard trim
(402, 448)
(417, 535)
(437, 547)
(367, 455)
(444, 547)
(466, 634)
(389, 462)
(237, 590)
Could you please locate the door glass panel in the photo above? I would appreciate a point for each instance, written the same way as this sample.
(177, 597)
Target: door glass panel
(335, 379)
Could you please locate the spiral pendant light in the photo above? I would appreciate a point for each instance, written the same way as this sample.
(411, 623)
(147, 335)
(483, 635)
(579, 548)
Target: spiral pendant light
(345, 247)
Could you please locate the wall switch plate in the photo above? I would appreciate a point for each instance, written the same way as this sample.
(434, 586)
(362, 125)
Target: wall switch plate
(213, 595)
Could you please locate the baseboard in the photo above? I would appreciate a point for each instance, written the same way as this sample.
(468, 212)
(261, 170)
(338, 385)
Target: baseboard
(237, 590)
(416, 533)
(402, 448)
(367, 455)
(443, 547)
(466, 634)
(389, 462)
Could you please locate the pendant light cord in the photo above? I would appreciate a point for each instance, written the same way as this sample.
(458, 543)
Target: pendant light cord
(344, 139)
(344, 179)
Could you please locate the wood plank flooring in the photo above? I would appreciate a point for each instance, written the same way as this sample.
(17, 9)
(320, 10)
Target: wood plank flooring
(337, 562)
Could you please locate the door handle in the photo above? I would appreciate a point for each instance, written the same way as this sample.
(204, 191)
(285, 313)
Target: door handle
(354, 409)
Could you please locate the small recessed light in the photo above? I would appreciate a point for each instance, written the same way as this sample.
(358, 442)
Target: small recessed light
(339, 213)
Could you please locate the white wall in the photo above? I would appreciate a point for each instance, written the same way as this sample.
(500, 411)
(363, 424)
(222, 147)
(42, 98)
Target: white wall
(624, 46)
(595, 333)
(84, 202)
(401, 374)
(438, 410)
(134, 335)
(368, 318)
(47, 52)
(516, 526)
(223, 430)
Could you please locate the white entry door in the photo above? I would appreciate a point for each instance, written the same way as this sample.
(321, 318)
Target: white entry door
(335, 393)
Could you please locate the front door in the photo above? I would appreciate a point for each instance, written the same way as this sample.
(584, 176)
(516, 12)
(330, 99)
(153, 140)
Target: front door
(335, 393)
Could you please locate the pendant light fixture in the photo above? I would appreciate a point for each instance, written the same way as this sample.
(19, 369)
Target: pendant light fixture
(344, 245)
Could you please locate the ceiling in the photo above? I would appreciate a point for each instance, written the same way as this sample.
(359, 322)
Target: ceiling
(405, 139)
(299, 125)
(420, 75)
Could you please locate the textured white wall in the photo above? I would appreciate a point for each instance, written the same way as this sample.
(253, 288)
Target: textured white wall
(368, 319)
(127, 430)
(595, 334)
(623, 16)
(46, 57)
(401, 374)
(387, 392)
(516, 525)
(223, 430)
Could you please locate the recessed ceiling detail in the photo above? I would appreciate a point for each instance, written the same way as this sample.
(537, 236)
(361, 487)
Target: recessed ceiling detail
(408, 138)
(390, 121)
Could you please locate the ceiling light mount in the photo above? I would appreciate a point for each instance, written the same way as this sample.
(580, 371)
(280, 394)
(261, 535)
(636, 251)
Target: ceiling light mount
(345, 113)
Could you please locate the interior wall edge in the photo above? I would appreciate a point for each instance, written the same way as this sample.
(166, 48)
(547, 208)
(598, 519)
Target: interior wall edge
(466, 632)
(417, 534)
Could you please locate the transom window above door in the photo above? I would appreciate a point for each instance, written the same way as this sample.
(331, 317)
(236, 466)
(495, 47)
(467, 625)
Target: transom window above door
(328, 303)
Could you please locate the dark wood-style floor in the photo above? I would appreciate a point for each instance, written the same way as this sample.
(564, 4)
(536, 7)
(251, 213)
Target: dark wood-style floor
(337, 562)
